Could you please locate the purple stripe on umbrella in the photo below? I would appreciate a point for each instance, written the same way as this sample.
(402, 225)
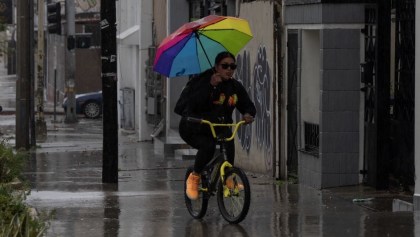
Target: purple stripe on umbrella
(165, 60)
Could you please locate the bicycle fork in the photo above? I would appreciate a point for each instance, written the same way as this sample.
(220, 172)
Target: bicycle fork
(211, 181)
(226, 191)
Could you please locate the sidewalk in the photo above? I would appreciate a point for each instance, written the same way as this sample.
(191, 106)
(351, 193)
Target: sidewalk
(66, 177)
(66, 172)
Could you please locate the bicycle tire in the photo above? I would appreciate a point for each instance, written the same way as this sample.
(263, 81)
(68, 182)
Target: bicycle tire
(196, 208)
(234, 202)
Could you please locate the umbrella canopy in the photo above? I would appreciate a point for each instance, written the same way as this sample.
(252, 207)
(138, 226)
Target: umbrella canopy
(193, 47)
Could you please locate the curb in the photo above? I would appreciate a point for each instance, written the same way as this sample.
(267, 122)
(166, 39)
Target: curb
(12, 112)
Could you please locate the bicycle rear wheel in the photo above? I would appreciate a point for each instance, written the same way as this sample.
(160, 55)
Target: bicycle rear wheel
(196, 208)
(234, 197)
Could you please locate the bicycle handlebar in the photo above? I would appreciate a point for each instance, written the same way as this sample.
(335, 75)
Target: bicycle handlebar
(212, 125)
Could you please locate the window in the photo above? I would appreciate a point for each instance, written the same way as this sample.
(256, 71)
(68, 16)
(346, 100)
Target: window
(311, 137)
(200, 8)
(196, 10)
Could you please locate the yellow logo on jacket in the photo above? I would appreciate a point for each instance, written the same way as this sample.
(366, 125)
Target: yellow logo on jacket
(233, 99)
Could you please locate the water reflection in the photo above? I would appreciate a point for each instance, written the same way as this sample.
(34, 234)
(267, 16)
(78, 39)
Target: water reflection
(203, 228)
(149, 202)
(230, 230)
(111, 211)
(196, 228)
(303, 211)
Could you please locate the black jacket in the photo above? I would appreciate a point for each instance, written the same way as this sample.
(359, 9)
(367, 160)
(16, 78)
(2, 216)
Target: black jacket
(217, 103)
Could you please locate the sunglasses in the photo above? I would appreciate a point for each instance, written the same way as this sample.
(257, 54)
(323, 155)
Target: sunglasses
(226, 66)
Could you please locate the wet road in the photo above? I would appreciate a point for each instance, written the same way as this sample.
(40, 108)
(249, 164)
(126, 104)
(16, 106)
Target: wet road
(65, 174)
(8, 91)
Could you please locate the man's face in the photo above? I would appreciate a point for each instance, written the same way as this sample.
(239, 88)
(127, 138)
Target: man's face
(226, 68)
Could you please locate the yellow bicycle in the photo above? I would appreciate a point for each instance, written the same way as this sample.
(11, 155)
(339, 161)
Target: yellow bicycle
(219, 177)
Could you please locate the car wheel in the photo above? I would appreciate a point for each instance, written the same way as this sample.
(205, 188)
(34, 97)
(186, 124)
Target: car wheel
(92, 109)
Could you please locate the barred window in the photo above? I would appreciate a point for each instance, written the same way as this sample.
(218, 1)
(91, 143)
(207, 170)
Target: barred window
(311, 137)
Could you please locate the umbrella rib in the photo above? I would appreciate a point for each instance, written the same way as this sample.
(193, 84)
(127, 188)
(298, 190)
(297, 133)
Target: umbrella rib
(205, 53)
(209, 37)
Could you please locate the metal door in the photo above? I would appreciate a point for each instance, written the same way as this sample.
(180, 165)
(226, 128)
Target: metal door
(377, 94)
(402, 117)
(389, 104)
(292, 146)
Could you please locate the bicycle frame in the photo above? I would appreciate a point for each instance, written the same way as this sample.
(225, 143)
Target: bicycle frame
(217, 164)
(214, 169)
(233, 197)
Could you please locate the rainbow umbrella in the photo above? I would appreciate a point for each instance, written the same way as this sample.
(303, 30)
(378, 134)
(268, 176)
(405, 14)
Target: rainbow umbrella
(193, 47)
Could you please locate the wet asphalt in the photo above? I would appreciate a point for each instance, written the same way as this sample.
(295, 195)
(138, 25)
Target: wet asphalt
(65, 173)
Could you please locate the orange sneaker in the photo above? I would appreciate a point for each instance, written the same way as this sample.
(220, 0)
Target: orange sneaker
(231, 183)
(192, 186)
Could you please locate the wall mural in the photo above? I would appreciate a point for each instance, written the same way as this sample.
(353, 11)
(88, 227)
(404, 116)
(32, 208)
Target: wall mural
(262, 100)
(243, 75)
(261, 89)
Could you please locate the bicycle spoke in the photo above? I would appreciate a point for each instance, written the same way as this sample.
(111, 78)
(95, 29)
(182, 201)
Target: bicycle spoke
(235, 205)
(234, 200)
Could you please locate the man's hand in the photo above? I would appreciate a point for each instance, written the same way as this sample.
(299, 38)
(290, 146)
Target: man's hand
(248, 118)
(215, 79)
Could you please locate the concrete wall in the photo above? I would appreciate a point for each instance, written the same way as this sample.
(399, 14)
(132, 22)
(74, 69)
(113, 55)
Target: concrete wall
(55, 55)
(178, 14)
(325, 14)
(254, 145)
(87, 68)
(134, 39)
(138, 22)
(339, 111)
(329, 41)
(160, 19)
(310, 77)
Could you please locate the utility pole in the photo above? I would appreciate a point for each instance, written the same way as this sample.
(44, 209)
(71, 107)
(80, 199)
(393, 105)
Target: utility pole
(41, 125)
(109, 92)
(23, 83)
(70, 63)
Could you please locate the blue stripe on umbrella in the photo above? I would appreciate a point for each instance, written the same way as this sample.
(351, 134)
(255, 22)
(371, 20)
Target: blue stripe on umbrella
(212, 49)
(185, 62)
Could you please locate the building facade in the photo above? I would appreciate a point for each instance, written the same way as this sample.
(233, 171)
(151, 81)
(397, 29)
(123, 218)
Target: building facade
(328, 79)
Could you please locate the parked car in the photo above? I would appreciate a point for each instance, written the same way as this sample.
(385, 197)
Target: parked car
(89, 104)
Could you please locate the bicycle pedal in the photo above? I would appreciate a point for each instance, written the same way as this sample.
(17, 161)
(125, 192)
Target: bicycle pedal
(203, 190)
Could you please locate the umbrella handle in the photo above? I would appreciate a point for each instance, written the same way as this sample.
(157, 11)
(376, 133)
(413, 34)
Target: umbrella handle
(198, 37)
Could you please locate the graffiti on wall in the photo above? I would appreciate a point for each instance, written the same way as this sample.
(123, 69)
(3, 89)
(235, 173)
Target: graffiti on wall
(261, 92)
(243, 75)
(262, 100)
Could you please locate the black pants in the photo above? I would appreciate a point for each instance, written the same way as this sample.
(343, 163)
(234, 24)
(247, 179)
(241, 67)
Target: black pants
(199, 137)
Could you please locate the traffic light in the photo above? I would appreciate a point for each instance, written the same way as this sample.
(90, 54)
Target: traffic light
(54, 18)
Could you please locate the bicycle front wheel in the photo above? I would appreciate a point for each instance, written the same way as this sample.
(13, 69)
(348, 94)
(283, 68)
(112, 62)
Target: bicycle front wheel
(197, 208)
(234, 196)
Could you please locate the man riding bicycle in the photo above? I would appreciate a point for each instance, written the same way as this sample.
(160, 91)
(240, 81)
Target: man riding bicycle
(213, 97)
